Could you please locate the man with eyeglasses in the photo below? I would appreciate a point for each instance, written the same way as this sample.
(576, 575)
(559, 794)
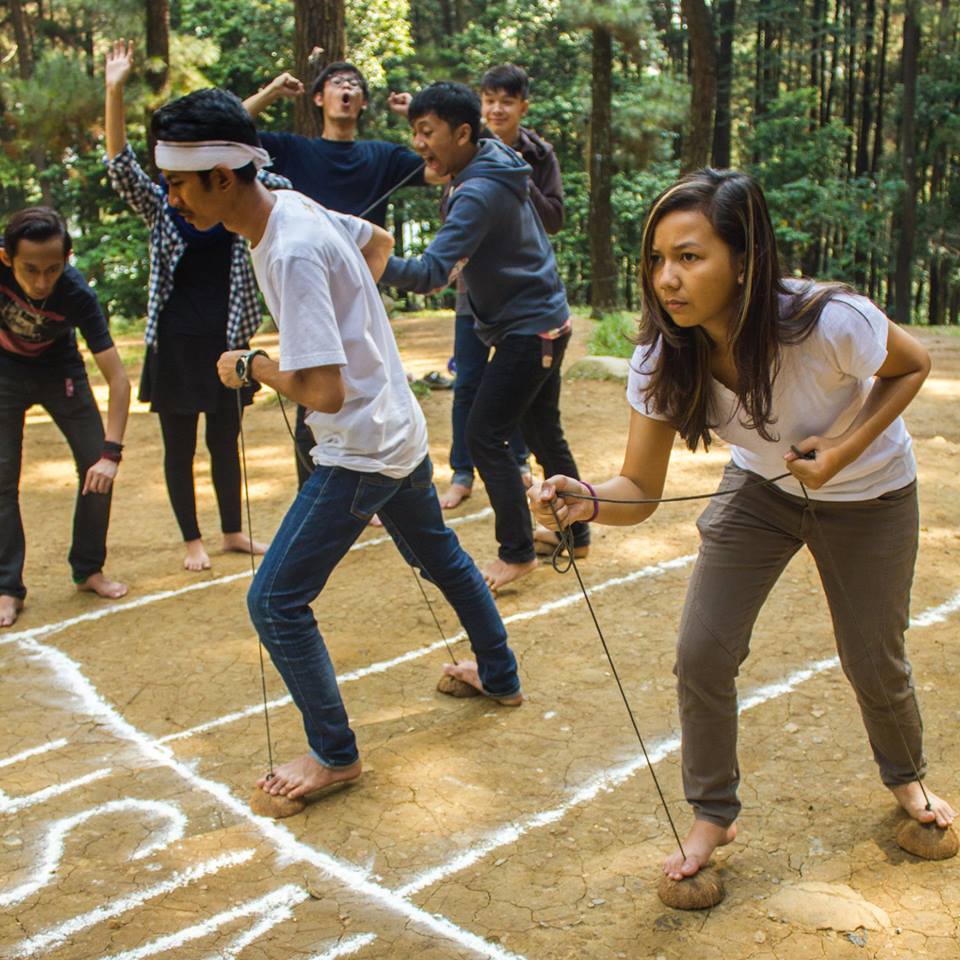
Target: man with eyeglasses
(337, 170)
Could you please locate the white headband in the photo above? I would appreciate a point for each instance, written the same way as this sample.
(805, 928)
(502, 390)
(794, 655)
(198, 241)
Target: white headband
(207, 154)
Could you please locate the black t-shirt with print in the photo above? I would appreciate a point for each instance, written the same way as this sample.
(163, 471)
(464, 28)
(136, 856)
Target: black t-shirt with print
(40, 337)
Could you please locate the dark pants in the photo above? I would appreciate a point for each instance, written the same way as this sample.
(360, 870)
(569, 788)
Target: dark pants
(517, 389)
(328, 515)
(470, 355)
(304, 443)
(179, 446)
(865, 552)
(74, 411)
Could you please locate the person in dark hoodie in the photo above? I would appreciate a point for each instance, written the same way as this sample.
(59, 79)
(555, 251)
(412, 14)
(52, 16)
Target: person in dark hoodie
(504, 101)
(494, 235)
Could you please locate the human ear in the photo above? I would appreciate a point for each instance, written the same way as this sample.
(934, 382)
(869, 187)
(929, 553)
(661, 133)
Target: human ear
(5, 257)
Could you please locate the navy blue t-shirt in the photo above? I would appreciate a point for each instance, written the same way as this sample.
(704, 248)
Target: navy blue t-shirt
(345, 176)
(41, 336)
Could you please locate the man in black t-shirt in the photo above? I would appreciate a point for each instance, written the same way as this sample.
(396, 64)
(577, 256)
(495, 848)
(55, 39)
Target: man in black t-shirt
(43, 301)
(336, 169)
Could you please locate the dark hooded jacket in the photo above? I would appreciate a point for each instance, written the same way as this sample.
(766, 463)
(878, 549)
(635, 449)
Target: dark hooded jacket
(510, 271)
(546, 186)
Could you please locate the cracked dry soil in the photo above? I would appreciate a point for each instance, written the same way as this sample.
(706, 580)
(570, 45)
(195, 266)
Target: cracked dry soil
(558, 829)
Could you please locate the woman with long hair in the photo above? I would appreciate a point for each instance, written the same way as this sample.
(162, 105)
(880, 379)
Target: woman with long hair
(799, 378)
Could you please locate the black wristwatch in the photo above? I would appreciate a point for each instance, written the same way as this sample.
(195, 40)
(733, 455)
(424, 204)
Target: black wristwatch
(244, 363)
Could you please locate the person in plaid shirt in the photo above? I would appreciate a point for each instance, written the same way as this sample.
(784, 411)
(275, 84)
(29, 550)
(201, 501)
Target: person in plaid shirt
(202, 300)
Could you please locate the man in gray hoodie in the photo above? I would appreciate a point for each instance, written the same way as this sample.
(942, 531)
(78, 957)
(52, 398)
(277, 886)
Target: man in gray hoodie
(493, 234)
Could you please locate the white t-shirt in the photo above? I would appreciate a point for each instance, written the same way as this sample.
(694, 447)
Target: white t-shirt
(321, 294)
(821, 387)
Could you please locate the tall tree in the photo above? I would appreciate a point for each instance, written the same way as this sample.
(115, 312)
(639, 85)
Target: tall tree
(703, 77)
(726, 24)
(318, 40)
(157, 67)
(603, 268)
(908, 158)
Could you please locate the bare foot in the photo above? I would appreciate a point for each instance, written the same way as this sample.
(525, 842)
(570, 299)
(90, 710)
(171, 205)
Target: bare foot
(108, 589)
(374, 521)
(498, 573)
(304, 775)
(466, 671)
(241, 543)
(197, 557)
(10, 608)
(545, 542)
(910, 797)
(455, 495)
(704, 837)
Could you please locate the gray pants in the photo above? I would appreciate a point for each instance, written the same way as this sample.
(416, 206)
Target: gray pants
(865, 552)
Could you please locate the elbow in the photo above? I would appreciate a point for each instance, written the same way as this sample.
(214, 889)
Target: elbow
(330, 400)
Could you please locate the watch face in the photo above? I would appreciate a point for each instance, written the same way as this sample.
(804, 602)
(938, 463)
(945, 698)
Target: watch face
(242, 367)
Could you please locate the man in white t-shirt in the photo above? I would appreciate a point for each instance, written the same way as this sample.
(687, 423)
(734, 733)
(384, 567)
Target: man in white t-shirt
(317, 270)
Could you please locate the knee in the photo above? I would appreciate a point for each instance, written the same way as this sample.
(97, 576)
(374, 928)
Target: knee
(262, 605)
(704, 666)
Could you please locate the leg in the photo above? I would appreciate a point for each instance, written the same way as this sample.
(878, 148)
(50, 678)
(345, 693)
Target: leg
(179, 431)
(303, 444)
(470, 354)
(856, 546)
(14, 402)
(511, 380)
(747, 539)
(317, 531)
(543, 431)
(79, 421)
(222, 430)
(413, 518)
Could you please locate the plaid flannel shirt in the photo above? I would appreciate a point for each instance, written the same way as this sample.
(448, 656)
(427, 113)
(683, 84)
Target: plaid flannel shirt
(148, 200)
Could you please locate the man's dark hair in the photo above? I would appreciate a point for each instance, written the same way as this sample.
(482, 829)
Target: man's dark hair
(36, 224)
(208, 114)
(509, 78)
(339, 66)
(453, 103)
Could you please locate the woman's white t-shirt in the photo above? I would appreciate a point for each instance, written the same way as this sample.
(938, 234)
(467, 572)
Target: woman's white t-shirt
(822, 384)
(322, 296)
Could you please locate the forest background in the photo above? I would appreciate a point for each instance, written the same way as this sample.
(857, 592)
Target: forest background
(847, 111)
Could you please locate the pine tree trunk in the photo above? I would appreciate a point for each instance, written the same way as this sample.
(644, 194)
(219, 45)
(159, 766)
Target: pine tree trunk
(908, 158)
(696, 148)
(726, 13)
(158, 44)
(317, 23)
(603, 269)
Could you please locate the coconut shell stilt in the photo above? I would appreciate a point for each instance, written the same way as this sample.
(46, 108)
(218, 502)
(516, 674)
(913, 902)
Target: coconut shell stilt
(699, 892)
(927, 840)
(277, 807)
(453, 687)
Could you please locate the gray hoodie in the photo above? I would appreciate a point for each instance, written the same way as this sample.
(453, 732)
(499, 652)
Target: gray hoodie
(511, 275)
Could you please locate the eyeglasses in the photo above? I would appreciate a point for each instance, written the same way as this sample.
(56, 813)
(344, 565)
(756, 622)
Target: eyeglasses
(345, 80)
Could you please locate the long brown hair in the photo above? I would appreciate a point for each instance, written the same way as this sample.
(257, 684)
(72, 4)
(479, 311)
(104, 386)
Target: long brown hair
(680, 385)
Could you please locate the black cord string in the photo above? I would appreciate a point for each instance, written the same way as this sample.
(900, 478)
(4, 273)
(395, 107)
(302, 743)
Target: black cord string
(253, 570)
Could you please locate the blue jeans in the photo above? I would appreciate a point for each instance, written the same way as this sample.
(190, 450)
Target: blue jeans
(470, 354)
(330, 512)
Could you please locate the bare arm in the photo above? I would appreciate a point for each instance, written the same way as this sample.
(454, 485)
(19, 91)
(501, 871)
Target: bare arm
(644, 472)
(286, 85)
(897, 382)
(317, 388)
(376, 251)
(117, 69)
(100, 476)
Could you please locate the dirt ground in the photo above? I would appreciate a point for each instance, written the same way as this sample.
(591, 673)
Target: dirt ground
(131, 732)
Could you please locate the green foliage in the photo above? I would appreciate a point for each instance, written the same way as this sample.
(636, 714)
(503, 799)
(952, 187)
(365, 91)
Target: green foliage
(611, 336)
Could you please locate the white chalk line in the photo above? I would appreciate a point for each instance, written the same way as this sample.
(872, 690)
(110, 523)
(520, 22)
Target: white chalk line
(290, 849)
(277, 903)
(346, 947)
(658, 751)
(56, 835)
(273, 918)
(10, 804)
(33, 752)
(48, 629)
(53, 936)
(383, 665)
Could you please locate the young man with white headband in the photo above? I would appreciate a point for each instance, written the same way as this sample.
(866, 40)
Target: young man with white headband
(317, 270)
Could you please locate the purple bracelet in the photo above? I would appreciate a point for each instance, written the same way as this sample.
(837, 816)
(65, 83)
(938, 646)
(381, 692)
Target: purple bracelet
(596, 505)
